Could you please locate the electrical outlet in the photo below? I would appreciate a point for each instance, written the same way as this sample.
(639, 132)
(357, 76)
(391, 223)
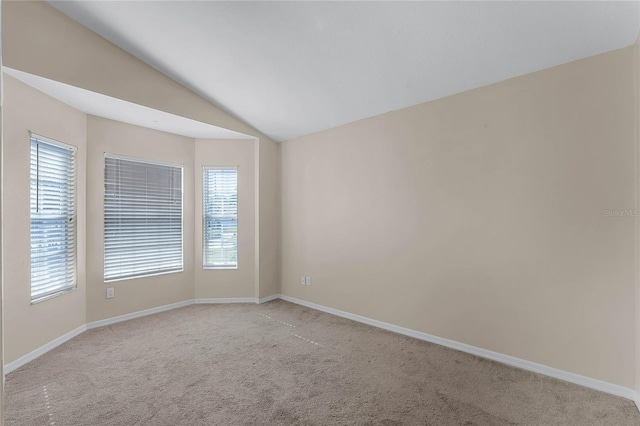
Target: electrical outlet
(308, 280)
(111, 293)
(303, 281)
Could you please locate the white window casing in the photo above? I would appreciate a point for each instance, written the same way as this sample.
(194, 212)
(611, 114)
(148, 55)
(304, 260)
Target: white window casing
(53, 218)
(220, 217)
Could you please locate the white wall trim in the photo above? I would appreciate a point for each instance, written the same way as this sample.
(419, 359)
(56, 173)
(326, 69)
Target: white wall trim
(14, 365)
(138, 314)
(225, 300)
(588, 382)
(269, 298)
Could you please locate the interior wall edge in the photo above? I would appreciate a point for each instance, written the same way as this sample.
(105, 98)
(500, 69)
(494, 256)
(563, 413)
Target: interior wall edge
(636, 81)
(256, 218)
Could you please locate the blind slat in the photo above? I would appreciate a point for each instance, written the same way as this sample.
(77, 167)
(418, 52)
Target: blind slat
(142, 218)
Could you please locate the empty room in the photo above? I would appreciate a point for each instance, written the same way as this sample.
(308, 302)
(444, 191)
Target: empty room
(320, 213)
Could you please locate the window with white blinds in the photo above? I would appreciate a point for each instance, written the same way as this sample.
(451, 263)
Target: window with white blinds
(142, 218)
(220, 217)
(53, 218)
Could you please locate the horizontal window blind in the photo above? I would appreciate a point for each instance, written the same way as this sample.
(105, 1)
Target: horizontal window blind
(53, 218)
(220, 217)
(142, 218)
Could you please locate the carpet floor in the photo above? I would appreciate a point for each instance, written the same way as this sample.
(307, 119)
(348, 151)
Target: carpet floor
(284, 364)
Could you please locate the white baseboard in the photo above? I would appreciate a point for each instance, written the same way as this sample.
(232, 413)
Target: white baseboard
(14, 365)
(138, 314)
(225, 300)
(269, 298)
(484, 353)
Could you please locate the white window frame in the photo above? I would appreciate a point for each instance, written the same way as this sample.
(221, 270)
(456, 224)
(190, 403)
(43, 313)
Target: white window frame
(149, 273)
(72, 239)
(205, 265)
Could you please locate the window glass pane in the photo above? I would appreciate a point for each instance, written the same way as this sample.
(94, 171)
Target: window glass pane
(53, 218)
(142, 218)
(220, 218)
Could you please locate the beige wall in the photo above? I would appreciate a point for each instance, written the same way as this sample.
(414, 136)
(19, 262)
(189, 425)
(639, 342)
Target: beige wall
(636, 51)
(39, 39)
(27, 326)
(269, 219)
(480, 217)
(211, 283)
(107, 136)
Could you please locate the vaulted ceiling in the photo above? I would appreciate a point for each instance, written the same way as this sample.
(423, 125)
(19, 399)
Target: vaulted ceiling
(293, 68)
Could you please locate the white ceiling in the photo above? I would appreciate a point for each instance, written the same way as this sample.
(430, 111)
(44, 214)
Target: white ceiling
(293, 68)
(116, 109)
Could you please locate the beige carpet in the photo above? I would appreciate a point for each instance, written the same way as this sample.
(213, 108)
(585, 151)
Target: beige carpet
(284, 364)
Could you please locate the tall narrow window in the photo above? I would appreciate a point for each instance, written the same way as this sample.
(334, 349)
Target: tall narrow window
(142, 218)
(53, 218)
(220, 217)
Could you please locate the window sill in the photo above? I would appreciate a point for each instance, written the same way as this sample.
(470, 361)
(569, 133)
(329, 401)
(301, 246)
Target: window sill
(152, 274)
(214, 268)
(52, 296)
